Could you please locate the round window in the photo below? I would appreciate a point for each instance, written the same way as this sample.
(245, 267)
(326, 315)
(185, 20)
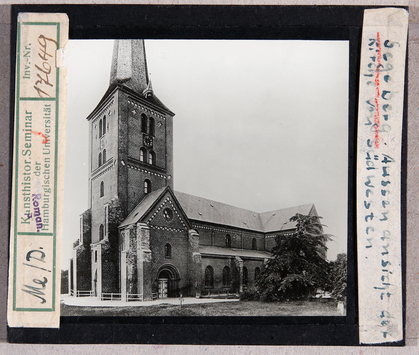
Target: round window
(168, 214)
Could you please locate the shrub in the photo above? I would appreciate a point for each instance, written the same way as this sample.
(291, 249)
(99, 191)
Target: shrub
(250, 295)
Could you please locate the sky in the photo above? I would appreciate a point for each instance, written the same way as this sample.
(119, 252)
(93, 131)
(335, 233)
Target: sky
(261, 125)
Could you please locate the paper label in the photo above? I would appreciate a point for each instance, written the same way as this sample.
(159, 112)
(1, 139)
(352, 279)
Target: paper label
(40, 106)
(380, 119)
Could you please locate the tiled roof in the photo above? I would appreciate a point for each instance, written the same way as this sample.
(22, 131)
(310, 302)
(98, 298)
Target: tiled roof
(245, 253)
(144, 205)
(280, 219)
(204, 210)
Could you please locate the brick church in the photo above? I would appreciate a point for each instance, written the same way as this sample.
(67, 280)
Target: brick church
(140, 239)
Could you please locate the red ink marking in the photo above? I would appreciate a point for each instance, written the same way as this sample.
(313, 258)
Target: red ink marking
(42, 135)
(377, 93)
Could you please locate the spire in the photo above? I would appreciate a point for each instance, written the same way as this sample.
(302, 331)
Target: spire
(129, 65)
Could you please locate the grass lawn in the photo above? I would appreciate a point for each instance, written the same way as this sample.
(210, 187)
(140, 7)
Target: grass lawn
(240, 308)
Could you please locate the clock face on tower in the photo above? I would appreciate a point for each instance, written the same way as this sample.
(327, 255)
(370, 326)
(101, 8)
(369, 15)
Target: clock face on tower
(148, 141)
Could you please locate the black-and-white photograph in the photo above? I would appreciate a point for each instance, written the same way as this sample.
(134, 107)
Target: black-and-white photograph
(206, 178)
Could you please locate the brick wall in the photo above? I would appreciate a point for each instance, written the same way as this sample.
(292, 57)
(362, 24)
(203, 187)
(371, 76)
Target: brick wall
(83, 253)
(136, 180)
(130, 139)
(216, 236)
(178, 241)
(204, 235)
(110, 270)
(175, 233)
(218, 264)
(135, 109)
(251, 266)
(108, 171)
(131, 262)
(248, 238)
(83, 268)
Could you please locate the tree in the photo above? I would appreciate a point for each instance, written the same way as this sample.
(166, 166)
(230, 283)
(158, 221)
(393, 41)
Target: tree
(298, 266)
(338, 277)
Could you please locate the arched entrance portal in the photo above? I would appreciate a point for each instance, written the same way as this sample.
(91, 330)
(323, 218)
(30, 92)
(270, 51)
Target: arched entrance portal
(168, 280)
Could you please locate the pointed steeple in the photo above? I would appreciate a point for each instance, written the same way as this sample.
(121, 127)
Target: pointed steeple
(129, 65)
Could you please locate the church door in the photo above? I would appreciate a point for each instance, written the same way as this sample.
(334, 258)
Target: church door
(163, 288)
(168, 278)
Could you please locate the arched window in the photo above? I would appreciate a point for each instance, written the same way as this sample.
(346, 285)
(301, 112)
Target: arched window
(104, 156)
(245, 276)
(101, 232)
(143, 123)
(152, 158)
(254, 244)
(168, 251)
(147, 186)
(100, 128)
(104, 125)
(228, 241)
(100, 159)
(257, 273)
(226, 276)
(209, 277)
(95, 256)
(151, 126)
(143, 154)
(102, 189)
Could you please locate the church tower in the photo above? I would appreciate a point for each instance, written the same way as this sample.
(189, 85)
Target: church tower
(131, 155)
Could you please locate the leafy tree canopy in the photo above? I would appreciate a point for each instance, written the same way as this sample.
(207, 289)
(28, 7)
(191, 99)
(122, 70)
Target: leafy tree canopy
(337, 277)
(298, 266)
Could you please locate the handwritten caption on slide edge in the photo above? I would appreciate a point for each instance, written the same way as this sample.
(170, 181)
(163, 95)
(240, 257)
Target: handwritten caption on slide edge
(378, 175)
